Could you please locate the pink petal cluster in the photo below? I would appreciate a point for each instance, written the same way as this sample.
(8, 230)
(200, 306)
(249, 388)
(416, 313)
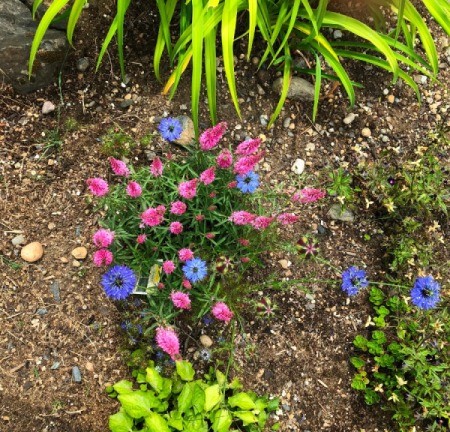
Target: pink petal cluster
(134, 189)
(245, 260)
(199, 217)
(119, 168)
(185, 255)
(188, 189)
(232, 184)
(224, 159)
(97, 186)
(248, 147)
(168, 267)
(309, 195)
(168, 341)
(241, 217)
(208, 176)
(210, 235)
(102, 257)
(261, 222)
(141, 238)
(103, 238)
(176, 228)
(153, 216)
(178, 207)
(287, 218)
(180, 300)
(186, 284)
(221, 312)
(156, 167)
(247, 163)
(211, 137)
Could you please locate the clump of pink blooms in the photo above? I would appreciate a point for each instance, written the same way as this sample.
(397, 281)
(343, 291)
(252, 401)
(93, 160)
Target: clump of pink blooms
(185, 254)
(287, 218)
(98, 186)
(134, 189)
(308, 195)
(153, 216)
(247, 163)
(168, 267)
(261, 222)
(156, 167)
(176, 228)
(211, 137)
(241, 217)
(103, 238)
(208, 176)
(188, 189)
(141, 238)
(167, 340)
(119, 167)
(102, 257)
(180, 300)
(224, 159)
(222, 312)
(248, 147)
(178, 208)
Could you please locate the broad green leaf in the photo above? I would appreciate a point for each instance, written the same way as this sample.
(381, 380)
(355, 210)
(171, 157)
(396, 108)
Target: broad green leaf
(138, 404)
(77, 7)
(213, 396)
(360, 381)
(195, 423)
(185, 370)
(247, 417)
(222, 421)
(123, 386)
(198, 399)
(156, 423)
(120, 422)
(154, 379)
(185, 398)
(175, 420)
(221, 378)
(166, 389)
(241, 400)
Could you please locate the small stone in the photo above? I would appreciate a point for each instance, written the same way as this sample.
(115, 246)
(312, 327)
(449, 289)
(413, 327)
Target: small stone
(337, 34)
(64, 260)
(48, 107)
(188, 134)
(126, 103)
(286, 122)
(51, 162)
(82, 64)
(54, 288)
(264, 120)
(299, 89)
(336, 212)
(349, 118)
(76, 263)
(284, 263)
(55, 365)
(206, 341)
(391, 99)
(51, 226)
(32, 252)
(366, 132)
(76, 374)
(89, 366)
(42, 311)
(260, 90)
(80, 253)
(298, 167)
(310, 146)
(18, 240)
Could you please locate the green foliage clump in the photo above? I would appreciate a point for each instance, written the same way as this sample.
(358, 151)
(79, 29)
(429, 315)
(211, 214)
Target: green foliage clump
(182, 403)
(117, 143)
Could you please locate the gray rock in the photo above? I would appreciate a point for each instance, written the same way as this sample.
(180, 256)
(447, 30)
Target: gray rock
(18, 240)
(188, 135)
(54, 288)
(48, 107)
(55, 365)
(126, 103)
(82, 64)
(76, 374)
(336, 212)
(17, 29)
(42, 311)
(299, 89)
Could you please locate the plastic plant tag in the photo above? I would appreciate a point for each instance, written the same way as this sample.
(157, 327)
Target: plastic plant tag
(147, 284)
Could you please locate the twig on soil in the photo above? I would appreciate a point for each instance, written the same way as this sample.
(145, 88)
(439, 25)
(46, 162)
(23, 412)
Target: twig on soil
(14, 336)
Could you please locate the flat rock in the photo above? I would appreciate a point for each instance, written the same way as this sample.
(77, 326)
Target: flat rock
(80, 253)
(336, 212)
(298, 167)
(206, 341)
(18, 240)
(299, 89)
(48, 107)
(76, 374)
(32, 252)
(188, 135)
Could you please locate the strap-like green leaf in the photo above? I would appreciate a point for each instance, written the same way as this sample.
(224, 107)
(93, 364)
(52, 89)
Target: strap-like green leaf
(440, 11)
(122, 6)
(317, 86)
(210, 73)
(197, 57)
(252, 20)
(75, 13)
(36, 4)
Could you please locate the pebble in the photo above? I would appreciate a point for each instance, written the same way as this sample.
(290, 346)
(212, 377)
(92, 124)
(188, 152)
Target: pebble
(126, 103)
(89, 366)
(366, 132)
(64, 260)
(284, 263)
(310, 146)
(18, 240)
(32, 252)
(337, 34)
(54, 288)
(76, 263)
(260, 90)
(51, 226)
(76, 374)
(187, 136)
(299, 89)
(80, 253)
(286, 122)
(298, 167)
(349, 118)
(264, 120)
(48, 107)
(391, 99)
(206, 341)
(82, 64)
(337, 213)
(55, 365)
(42, 311)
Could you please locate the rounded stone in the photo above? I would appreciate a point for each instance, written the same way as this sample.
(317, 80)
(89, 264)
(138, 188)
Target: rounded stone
(188, 134)
(32, 252)
(206, 341)
(366, 132)
(79, 252)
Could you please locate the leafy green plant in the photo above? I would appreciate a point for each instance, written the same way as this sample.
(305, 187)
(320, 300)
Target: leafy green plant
(182, 403)
(341, 187)
(117, 143)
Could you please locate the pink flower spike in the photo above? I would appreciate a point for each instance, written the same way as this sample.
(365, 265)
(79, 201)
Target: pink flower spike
(224, 159)
(221, 312)
(309, 195)
(97, 186)
(210, 235)
(141, 238)
(261, 222)
(103, 238)
(188, 189)
(245, 260)
(247, 163)
(287, 218)
(241, 217)
(102, 257)
(168, 267)
(152, 217)
(134, 189)
(168, 341)
(119, 168)
(208, 176)
(156, 167)
(248, 147)
(180, 300)
(178, 207)
(185, 255)
(199, 217)
(296, 197)
(176, 228)
(186, 284)
(232, 184)
(211, 137)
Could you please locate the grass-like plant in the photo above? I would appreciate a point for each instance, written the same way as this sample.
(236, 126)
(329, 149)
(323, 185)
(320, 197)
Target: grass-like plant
(283, 25)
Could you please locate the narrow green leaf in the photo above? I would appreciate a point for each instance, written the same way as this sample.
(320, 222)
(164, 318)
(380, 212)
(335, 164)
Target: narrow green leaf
(210, 73)
(36, 4)
(252, 20)
(122, 6)
(284, 89)
(440, 11)
(75, 13)
(317, 86)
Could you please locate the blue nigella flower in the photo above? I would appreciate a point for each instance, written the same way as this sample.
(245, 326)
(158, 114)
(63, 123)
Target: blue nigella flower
(425, 292)
(170, 128)
(353, 279)
(248, 183)
(119, 282)
(195, 270)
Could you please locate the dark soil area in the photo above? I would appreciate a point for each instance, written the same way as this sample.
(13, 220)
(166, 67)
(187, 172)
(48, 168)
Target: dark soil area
(54, 315)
